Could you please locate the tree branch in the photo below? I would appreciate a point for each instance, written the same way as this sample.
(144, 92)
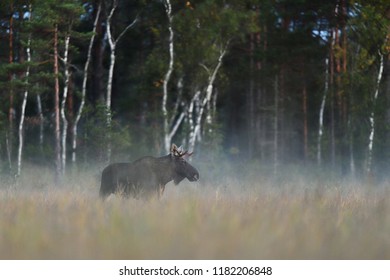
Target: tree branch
(127, 28)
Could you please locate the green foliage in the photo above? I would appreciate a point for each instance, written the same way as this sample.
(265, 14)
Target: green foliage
(267, 41)
(94, 137)
(370, 26)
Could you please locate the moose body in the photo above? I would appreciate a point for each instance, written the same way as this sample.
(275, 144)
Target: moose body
(147, 176)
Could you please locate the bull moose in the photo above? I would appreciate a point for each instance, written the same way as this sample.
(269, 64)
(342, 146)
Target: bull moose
(147, 176)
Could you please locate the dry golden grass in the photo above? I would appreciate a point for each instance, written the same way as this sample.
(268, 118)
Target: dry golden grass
(292, 220)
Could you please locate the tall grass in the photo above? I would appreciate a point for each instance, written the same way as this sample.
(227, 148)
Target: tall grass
(234, 219)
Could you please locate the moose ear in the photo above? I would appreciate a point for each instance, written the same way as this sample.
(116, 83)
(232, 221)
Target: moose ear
(173, 148)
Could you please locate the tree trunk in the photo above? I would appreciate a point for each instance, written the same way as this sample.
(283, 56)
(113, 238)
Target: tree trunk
(170, 124)
(332, 107)
(321, 114)
(97, 55)
(108, 102)
(167, 139)
(84, 87)
(41, 120)
(191, 138)
(198, 119)
(196, 133)
(372, 116)
(112, 43)
(57, 109)
(63, 104)
(24, 102)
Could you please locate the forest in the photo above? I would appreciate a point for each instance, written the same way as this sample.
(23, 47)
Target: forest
(285, 105)
(267, 83)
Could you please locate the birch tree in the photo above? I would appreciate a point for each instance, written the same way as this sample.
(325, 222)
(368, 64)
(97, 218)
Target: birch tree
(209, 28)
(24, 101)
(73, 13)
(112, 42)
(321, 113)
(57, 129)
(167, 135)
(182, 77)
(372, 25)
(63, 101)
(63, 15)
(204, 104)
(84, 86)
(372, 114)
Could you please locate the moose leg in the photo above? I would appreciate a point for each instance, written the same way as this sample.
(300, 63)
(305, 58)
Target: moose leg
(107, 187)
(160, 191)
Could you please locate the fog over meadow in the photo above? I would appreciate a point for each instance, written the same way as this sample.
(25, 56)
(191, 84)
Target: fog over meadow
(285, 106)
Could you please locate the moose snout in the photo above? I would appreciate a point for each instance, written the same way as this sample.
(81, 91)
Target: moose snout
(195, 177)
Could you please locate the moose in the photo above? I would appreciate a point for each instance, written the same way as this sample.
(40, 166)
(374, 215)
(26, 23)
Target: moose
(147, 176)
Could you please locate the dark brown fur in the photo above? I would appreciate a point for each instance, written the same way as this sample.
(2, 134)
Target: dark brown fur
(146, 176)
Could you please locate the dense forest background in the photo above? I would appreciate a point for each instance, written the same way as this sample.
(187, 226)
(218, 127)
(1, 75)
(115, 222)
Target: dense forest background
(259, 82)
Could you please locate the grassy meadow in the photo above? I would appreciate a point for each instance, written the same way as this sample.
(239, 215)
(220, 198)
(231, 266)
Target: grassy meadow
(293, 218)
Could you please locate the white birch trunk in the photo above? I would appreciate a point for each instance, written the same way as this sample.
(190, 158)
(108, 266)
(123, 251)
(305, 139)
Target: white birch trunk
(210, 86)
(191, 114)
(174, 122)
(196, 133)
(167, 138)
(178, 101)
(192, 136)
(198, 126)
(214, 106)
(372, 115)
(209, 121)
(84, 87)
(112, 43)
(108, 103)
(321, 114)
(63, 104)
(24, 103)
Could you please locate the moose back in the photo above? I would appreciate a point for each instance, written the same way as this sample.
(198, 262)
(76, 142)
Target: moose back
(147, 176)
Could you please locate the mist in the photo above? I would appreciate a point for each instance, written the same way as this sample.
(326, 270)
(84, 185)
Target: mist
(285, 108)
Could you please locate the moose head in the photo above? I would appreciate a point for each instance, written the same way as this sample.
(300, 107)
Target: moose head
(182, 169)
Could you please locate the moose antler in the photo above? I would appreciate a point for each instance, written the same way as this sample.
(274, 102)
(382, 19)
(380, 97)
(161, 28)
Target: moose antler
(179, 151)
(186, 153)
